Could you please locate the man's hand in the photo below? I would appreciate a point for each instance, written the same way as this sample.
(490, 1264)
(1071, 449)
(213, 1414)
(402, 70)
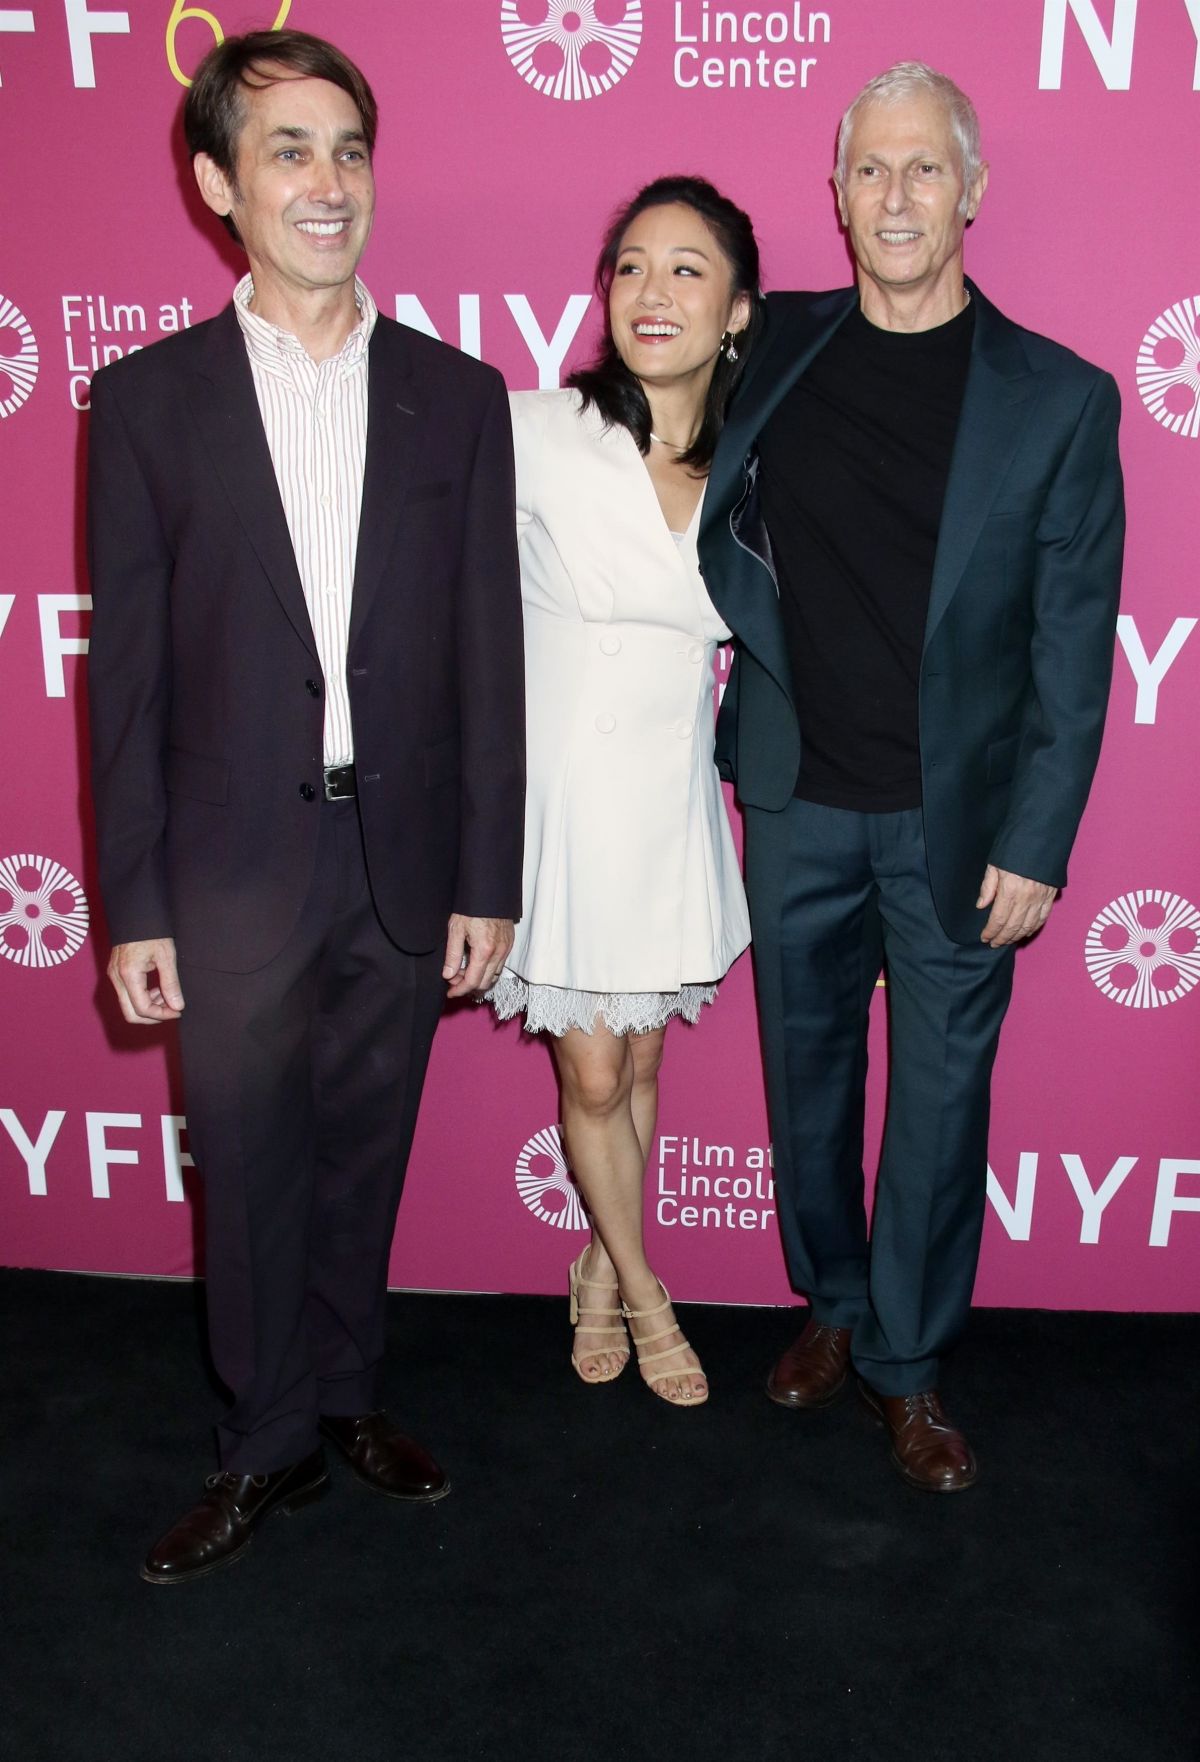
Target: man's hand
(129, 967)
(476, 950)
(1019, 906)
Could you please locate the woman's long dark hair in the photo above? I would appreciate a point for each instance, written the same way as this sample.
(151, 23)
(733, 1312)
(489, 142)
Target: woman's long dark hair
(607, 383)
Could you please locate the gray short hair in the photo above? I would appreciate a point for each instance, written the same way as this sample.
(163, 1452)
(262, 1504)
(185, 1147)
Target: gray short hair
(914, 79)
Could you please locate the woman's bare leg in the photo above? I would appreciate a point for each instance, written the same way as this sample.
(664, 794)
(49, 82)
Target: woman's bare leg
(604, 1077)
(647, 1052)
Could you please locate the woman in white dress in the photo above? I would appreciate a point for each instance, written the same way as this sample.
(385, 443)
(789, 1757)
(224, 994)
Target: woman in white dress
(633, 904)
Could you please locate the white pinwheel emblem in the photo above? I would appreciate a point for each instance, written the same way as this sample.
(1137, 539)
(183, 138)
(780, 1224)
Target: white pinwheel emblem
(43, 911)
(18, 357)
(571, 48)
(544, 1182)
(1168, 368)
(1143, 950)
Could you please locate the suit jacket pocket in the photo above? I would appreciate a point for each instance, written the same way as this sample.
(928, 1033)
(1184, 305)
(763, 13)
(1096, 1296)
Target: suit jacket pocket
(193, 775)
(442, 761)
(1002, 758)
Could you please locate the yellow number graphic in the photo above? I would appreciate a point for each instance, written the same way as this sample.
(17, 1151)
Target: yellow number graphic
(180, 11)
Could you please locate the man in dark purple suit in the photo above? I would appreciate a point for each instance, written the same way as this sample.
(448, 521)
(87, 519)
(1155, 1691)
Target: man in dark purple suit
(307, 759)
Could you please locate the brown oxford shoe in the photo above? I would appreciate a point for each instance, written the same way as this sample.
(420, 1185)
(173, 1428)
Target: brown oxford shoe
(218, 1530)
(928, 1450)
(385, 1459)
(813, 1370)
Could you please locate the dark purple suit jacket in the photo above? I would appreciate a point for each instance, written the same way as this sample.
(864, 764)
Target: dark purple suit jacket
(207, 700)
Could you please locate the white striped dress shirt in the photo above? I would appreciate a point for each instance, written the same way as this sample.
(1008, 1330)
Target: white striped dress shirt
(315, 417)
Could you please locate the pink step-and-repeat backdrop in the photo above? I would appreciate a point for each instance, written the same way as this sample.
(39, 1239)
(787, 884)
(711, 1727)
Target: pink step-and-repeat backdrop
(509, 132)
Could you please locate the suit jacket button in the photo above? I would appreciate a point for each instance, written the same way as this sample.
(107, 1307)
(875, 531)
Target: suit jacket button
(307, 791)
(313, 687)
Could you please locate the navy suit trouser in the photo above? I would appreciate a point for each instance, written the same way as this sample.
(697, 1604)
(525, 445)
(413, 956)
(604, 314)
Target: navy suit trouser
(302, 1083)
(836, 895)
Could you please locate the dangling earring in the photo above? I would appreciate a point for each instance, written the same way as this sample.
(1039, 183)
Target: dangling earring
(729, 347)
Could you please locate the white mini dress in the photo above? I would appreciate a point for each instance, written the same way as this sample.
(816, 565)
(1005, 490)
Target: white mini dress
(633, 904)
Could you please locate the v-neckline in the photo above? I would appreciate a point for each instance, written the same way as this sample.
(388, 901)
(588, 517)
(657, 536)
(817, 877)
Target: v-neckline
(644, 469)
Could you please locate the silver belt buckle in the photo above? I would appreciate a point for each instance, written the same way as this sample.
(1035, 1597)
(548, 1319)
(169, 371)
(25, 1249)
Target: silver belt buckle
(339, 783)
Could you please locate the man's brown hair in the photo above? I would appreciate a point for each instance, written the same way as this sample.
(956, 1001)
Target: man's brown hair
(214, 111)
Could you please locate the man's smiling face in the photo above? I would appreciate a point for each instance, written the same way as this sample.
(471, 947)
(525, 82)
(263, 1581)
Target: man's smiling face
(903, 203)
(304, 196)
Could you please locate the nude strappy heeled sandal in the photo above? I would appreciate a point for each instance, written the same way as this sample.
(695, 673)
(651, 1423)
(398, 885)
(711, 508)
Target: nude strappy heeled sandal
(577, 1283)
(644, 1358)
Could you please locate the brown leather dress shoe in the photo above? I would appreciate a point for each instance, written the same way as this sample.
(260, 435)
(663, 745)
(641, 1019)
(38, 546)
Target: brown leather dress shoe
(928, 1450)
(218, 1530)
(383, 1458)
(813, 1370)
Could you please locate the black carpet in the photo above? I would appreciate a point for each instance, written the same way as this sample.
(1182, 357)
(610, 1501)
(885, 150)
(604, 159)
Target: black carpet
(609, 1579)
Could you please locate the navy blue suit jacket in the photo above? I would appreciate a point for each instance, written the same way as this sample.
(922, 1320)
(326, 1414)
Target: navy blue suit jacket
(1018, 645)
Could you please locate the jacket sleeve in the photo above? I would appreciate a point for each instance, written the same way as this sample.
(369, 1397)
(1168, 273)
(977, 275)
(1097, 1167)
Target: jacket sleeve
(491, 673)
(130, 566)
(1076, 589)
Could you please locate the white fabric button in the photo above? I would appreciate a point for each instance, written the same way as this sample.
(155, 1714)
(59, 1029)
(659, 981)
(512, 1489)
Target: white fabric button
(610, 645)
(683, 730)
(696, 653)
(605, 723)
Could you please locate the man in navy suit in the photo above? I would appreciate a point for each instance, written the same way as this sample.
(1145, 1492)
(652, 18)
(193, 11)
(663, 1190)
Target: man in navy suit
(914, 527)
(307, 760)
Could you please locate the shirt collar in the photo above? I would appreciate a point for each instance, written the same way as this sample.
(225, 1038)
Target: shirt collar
(273, 348)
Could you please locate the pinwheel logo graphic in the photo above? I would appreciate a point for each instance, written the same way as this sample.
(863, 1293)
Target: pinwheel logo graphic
(571, 48)
(545, 1185)
(43, 912)
(1143, 950)
(18, 357)
(1168, 368)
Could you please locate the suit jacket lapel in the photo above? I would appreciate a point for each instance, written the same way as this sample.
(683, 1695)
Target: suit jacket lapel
(227, 412)
(996, 406)
(393, 429)
(798, 327)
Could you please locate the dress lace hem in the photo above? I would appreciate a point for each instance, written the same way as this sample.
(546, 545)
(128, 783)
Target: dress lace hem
(552, 1009)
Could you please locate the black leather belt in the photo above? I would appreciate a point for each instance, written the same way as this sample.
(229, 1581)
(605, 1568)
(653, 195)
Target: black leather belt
(340, 783)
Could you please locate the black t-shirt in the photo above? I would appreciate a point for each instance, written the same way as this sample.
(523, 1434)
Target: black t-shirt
(853, 469)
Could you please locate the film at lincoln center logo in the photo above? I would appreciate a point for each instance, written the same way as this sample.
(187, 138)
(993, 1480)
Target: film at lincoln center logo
(1143, 950)
(571, 48)
(18, 357)
(1168, 368)
(544, 1182)
(43, 912)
